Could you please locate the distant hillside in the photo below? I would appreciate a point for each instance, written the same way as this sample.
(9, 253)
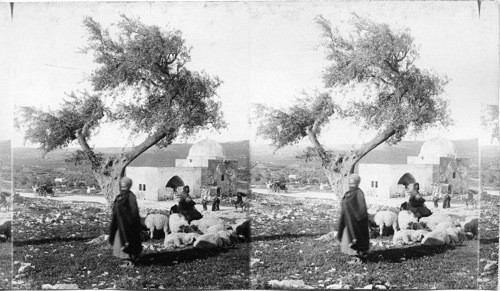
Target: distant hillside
(395, 154)
(153, 157)
(5, 151)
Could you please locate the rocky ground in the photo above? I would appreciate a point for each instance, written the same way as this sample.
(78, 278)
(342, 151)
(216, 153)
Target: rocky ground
(488, 247)
(57, 245)
(288, 252)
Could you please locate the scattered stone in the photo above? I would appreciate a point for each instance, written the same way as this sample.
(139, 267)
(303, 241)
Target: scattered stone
(491, 266)
(23, 267)
(60, 286)
(288, 284)
(368, 287)
(380, 287)
(334, 286)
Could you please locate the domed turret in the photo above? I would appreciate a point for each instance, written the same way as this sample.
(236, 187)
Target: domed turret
(438, 147)
(206, 149)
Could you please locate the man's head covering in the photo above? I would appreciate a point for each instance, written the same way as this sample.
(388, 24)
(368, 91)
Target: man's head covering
(354, 180)
(125, 183)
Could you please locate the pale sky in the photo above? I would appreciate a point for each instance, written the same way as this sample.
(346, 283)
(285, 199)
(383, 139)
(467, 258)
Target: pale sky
(263, 52)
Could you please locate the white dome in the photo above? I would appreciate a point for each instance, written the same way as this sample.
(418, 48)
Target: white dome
(438, 147)
(206, 149)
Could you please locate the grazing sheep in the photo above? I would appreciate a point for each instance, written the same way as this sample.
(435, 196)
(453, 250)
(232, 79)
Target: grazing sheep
(436, 238)
(461, 234)
(242, 228)
(471, 226)
(179, 238)
(5, 229)
(418, 235)
(208, 241)
(158, 221)
(406, 218)
(453, 234)
(435, 219)
(227, 236)
(402, 237)
(215, 228)
(419, 225)
(206, 222)
(177, 222)
(386, 218)
(443, 225)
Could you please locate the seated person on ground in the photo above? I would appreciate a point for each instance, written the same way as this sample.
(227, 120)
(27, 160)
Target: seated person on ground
(186, 206)
(416, 203)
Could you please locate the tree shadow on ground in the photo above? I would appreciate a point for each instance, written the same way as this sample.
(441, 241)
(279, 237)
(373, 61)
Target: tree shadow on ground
(170, 258)
(284, 235)
(409, 253)
(49, 240)
(487, 241)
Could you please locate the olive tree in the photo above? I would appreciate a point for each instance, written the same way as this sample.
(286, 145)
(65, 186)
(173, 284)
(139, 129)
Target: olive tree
(141, 83)
(489, 120)
(392, 97)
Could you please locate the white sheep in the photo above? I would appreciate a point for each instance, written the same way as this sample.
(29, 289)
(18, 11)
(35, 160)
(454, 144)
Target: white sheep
(438, 237)
(177, 222)
(386, 218)
(158, 221)
(227, 237)
(180, 238)
(215, 229)
(435, 219)
(418, 235)
(208, 241)
(402, 237)
(443, 225)
(206, 222)
(453, 234)
(406, 219)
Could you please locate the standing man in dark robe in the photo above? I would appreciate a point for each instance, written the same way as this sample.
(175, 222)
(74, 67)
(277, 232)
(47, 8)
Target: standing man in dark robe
(125, 229)
(353, 233)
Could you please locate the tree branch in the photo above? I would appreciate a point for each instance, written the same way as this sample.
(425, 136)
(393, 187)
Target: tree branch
(375, 142)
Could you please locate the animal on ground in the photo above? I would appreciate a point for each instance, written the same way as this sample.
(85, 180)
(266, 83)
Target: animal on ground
(402, 237)
(406, 219)
(177, 222)
(179, 239)
(385, 219)
(157, 221)
(471, 226)
(418, 235)
(5, 229)
(435, 219)
(206, 222)
(439, 237)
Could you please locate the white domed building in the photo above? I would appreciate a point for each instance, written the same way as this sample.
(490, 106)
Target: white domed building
(436, 166)
(205, 165)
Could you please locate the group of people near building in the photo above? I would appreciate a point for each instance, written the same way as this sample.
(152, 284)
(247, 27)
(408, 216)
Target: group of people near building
(125, 227)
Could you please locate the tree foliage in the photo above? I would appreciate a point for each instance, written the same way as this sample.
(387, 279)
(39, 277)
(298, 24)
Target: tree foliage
(397, 96)
(490, 121)
(142, 83)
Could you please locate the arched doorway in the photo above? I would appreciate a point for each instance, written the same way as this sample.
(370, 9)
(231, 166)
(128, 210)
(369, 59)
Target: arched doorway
(174, 182)
(406, 180)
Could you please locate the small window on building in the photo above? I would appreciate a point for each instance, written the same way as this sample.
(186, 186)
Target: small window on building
(376, 184)
(373, 184)
(454, 175)
(143, 187)
(140, 187)
(222, 178)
